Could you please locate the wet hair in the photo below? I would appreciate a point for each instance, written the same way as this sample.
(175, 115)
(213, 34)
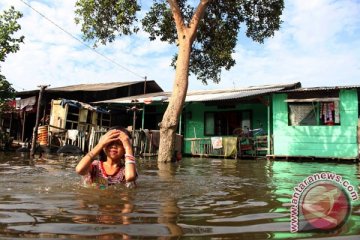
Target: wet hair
(118, 127)
(102, 155)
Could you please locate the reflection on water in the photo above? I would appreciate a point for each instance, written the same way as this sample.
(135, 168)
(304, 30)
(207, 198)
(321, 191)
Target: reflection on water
(195, 198)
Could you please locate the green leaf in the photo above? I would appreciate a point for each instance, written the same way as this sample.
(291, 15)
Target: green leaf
(103, 20)
(8, 26)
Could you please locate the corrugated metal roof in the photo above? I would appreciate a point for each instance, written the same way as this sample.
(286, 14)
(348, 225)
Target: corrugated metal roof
(92, 87)
(235, 94)
(238, 93)
(207, 95)
(321, 88)
(159, 96)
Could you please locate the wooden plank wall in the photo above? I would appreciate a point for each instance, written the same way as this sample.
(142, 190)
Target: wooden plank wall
(317, 141)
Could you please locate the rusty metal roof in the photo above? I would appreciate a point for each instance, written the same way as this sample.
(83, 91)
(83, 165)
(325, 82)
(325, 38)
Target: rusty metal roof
(90, 87)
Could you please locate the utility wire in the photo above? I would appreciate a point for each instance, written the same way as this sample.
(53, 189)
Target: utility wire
(79, 40)
(18, 87)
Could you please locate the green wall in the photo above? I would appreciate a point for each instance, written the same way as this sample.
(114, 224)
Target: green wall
(194, 126)
(318, 141)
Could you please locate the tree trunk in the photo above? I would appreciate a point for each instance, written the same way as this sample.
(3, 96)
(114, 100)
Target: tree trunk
(170, 119)
(35, 129)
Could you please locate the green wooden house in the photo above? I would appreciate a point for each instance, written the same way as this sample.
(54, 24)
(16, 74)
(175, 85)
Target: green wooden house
(316, 123)
(282, 120)
(222, 123)
(230, 123)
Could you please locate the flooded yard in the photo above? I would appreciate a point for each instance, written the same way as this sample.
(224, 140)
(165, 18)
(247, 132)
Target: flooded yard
(197, 198)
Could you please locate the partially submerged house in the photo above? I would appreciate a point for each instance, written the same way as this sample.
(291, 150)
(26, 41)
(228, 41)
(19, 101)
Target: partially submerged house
(282, 120)
(20, 123)
(147, 111)
(73, 122)
(230, 123)
(278, 121)
(214, 122)
(320, 122)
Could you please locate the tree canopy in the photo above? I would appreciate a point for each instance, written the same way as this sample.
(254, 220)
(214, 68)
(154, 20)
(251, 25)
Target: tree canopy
(8, 44)
(9, 26)
(217, 33)
(6, 92)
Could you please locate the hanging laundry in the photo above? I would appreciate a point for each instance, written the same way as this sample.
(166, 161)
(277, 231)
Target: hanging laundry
(328, 111)
(216, 142)
(336, 112)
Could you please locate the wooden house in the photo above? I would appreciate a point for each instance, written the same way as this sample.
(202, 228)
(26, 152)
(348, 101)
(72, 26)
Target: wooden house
(71, 122)
(22, 121)
(276, 121)
(316, 123)
(238, 120)
(230, 123)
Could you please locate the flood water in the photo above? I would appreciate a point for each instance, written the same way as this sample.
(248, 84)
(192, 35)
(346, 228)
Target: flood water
(197, 198)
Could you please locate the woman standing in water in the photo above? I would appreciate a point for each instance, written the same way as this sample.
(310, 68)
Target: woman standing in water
(116, 162)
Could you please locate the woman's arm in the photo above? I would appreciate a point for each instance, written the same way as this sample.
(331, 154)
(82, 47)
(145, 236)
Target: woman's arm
(83, 166)
(130, 165)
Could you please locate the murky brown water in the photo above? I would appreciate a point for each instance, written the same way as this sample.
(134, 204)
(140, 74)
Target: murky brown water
(194, 199)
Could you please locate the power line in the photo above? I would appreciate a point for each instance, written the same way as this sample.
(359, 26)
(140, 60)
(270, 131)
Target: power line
(79, 40)
(18, 87)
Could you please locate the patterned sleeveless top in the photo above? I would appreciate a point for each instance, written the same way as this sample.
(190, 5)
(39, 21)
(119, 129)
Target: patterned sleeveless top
(98, 176)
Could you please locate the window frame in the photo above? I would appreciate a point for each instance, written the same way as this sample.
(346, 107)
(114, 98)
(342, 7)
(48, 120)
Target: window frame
(318, 105)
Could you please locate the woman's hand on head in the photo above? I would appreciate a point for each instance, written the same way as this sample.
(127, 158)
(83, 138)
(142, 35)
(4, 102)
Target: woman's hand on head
(124, 138)
(110, 136)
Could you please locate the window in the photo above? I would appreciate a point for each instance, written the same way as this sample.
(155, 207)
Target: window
(314, 113)
(224, 123)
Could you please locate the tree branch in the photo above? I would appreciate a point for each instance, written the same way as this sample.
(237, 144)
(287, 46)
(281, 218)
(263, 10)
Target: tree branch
(179, 21)
(198, 15)
(189, 31)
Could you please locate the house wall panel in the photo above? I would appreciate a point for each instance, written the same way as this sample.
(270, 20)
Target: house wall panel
(195, 124)
(339, 141)
(348, 107)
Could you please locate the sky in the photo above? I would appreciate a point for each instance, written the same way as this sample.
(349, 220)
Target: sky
(318, 45)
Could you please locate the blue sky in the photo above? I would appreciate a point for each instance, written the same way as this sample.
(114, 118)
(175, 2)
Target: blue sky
(317, 45)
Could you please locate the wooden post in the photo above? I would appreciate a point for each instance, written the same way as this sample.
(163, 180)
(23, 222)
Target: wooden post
(143, 117)
(133, 127)
(145, 84)
(23, 127)
(10, 124)
(268, 130)
(34, 136)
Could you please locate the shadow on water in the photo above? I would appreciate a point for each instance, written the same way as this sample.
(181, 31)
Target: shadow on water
(195, 198)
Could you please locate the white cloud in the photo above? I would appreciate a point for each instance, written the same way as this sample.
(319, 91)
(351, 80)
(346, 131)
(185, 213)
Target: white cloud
(317, 45)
